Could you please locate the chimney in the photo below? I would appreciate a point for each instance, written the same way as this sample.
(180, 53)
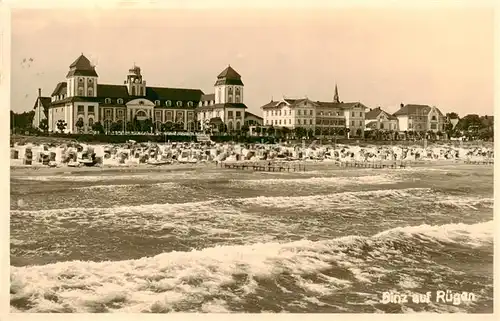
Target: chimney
(402, 105)
(39, 92)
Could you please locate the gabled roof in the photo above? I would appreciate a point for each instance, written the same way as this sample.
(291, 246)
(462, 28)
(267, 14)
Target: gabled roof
(45, 101)
(374, 113)
(412, 109)
(247, 113)
(81, 67)
(61, 89)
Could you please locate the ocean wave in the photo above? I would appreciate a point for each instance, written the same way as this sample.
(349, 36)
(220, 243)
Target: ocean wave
(217, 278)
(337, 181)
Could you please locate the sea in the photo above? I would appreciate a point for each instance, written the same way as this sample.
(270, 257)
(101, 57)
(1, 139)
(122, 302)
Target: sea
(326, 240)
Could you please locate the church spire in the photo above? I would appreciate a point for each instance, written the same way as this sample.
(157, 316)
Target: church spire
(336, 95)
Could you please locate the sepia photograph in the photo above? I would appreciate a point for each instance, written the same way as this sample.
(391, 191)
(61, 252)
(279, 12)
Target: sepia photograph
(251, 159)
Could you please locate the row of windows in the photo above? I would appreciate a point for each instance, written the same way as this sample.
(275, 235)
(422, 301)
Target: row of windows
(230, 114)
(168, 103)
(353, 123)
(309, 112)
(279, 122)
(353, 114)
(90, 80)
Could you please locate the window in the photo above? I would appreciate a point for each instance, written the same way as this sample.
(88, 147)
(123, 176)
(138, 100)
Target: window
(238, 114)
(120, 101)
(168, 103)
(141, 113)
(310, 112)
(158, 115)
(90, 109)
(433, 117)
(361, 123)
(157, 102)
(80, 79)
(230, 114)
(107, 100)
(352, 123)
(190, 104)
(433, 126)
(91, 122)
(310, 121)
(280, 122)
(298, 113)
(219, 96)
(352, 114)
(119, 113)
(90, 91)
(108, 113)
(90, 80)
(298, 121)
(80, 109)
(179, 104)
(169, 116)
(80, 91)
(289, 121)
(361, 114)
(133, 90)
(190, 116)
(381, 125)
(141, 103)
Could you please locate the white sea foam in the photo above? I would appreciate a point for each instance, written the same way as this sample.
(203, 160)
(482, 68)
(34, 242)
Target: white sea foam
(337, 181)
(163, 281)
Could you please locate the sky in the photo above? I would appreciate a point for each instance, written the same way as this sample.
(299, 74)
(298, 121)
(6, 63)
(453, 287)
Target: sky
(383, 57)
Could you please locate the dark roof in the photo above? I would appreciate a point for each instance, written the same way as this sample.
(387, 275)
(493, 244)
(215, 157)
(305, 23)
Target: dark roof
(178, 94)
(45, 104)
(81, 67)
(374, 113)
(229, 76)
(413, 109)
(208, 97)
(329, 104)
(112, 91)
(247, 113)
(60, 89)
(371, 124)
(229, 73)
(226, 105)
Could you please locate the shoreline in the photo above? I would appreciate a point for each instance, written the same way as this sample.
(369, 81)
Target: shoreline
(22, 170)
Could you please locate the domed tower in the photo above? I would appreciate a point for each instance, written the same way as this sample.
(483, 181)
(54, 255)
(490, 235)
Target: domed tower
(228, 87)
(82, 78)
(135, 85)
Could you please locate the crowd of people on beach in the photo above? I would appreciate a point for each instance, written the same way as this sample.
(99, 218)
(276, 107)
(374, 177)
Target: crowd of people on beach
(77, 154)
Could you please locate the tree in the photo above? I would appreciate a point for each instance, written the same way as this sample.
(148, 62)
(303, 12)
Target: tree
(359, 132)
(286, 131)
(116, 127)
(97, 127)
(310, 133)
(79, 124)
(258, 130)
(317, 131)
(271, 131)
(44, 125)
(61, 125)
(245, 129)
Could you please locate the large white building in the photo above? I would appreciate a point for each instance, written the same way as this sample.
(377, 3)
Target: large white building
(321, 115)
(82, 100)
